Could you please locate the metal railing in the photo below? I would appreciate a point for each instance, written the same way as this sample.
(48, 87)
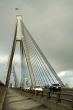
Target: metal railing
(57, 97)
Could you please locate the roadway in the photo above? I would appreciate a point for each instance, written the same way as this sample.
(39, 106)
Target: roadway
(18, 101)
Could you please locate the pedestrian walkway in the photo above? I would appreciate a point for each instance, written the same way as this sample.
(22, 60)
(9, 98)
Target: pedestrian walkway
(16, 101)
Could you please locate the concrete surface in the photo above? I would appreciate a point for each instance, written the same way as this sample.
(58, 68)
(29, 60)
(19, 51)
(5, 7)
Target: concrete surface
(2, 95)
(16, 101)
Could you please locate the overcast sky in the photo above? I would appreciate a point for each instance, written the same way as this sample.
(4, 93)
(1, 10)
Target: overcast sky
(50, 23)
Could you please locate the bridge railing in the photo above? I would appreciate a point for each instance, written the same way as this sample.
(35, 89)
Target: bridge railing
(58, 97)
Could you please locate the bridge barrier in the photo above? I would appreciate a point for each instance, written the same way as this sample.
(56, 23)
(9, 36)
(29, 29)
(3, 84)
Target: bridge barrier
(2, 95)
(67, 90)
(53, 100)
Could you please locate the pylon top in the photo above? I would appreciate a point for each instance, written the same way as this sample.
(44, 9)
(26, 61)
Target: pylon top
(19, 28)
(19, 17)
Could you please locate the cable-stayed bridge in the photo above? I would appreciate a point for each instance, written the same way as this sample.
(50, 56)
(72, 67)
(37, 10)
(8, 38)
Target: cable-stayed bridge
(36, 71)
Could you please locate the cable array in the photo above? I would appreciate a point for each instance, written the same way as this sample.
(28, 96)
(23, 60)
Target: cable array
(43, 74)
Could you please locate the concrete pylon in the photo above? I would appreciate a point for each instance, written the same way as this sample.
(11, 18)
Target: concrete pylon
(19, 37)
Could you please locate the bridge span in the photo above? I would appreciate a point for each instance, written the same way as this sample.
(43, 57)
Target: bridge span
(35, 71)
(19, 99)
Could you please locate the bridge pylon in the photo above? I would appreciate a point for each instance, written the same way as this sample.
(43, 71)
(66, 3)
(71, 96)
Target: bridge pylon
(40, 70)
(19, 37)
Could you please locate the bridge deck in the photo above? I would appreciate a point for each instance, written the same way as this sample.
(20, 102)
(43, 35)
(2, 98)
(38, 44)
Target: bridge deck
(16, 101)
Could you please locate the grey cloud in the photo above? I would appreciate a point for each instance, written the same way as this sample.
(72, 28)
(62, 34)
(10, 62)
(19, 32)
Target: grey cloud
(50, 22)
(68, 78)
